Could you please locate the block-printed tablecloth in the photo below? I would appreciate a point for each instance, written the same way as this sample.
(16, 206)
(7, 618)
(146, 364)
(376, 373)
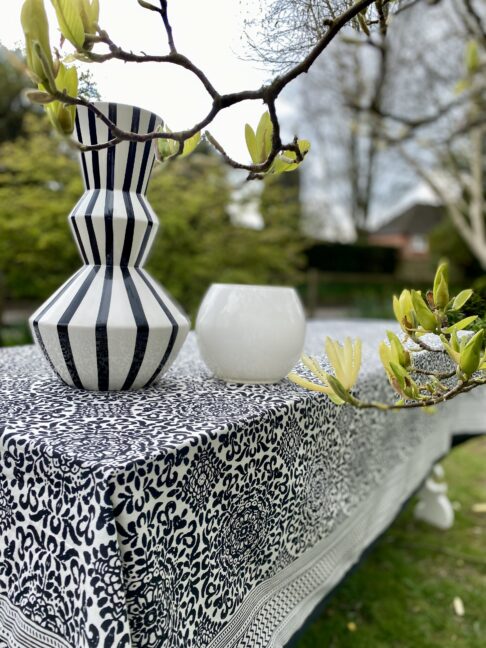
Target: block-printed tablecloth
(194, 514)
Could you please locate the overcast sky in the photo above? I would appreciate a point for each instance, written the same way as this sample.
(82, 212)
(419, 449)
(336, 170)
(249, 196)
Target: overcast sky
(208, 32)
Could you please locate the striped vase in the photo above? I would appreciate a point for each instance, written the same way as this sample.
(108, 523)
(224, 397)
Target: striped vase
(111, 326)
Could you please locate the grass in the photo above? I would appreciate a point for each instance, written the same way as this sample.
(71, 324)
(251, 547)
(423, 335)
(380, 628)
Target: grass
(401, 596)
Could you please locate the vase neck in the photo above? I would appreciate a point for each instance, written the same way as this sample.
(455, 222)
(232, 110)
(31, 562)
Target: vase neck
(126, 166)
(113, 227)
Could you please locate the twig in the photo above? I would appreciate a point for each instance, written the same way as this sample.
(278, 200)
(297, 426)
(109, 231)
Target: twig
(441, 375)
(460, 388)
(167, 25)
(425, 346)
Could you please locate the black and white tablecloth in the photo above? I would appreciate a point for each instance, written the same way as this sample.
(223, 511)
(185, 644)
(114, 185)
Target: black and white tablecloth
(194, 514)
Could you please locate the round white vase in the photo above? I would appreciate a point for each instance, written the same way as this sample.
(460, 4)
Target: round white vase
(111, 326)
(250, 334)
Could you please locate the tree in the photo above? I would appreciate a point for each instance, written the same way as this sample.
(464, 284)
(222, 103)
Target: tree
(13, 104)
(387, 112)
(39, 185)
(457, 173)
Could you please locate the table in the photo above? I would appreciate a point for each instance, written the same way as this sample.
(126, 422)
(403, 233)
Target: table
(195, 514)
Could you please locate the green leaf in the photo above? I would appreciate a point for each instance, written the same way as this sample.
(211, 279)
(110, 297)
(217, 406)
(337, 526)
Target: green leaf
(264, 135)
(462, 324)
(472, 56)
(461, 299)
(287, 161)
(70, 22)
(190, 144)
(251, 143)
(338, 389)
(441, 289)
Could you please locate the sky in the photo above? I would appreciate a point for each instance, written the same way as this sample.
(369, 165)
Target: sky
(210, 33)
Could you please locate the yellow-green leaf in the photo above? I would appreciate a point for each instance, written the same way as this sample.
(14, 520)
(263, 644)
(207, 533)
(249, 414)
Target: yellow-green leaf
(251, 143)
(264, 135)
(461, 86)
(70, 21)
(424, 314)
(89, 10)
(308, 384)
(339, 391)
(461, 299)
(472, 56)
(462, 324)
(190, 144)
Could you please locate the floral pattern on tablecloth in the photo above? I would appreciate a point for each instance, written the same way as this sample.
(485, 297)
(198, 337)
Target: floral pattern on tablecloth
(145, 519)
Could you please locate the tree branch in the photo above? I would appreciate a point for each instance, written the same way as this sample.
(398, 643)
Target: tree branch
(167, 26)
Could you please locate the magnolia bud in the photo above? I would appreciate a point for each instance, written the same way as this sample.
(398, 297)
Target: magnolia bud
(37, 45)
(471, 354)
(424, 315)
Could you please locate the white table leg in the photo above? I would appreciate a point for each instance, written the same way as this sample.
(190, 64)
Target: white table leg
(434, 506)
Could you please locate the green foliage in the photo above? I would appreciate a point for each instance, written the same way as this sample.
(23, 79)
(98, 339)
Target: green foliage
(446, 242)
(12, 103)
(39, 184)
(474, 306)
(198, 244)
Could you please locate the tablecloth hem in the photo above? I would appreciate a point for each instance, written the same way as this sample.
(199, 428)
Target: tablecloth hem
(19, 631)
(277, 608)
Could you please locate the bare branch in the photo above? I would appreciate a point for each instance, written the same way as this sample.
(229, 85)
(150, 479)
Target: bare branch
(167, 26)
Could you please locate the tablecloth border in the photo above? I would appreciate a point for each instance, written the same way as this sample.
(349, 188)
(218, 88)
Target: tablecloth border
(376, 514)
(23, 632)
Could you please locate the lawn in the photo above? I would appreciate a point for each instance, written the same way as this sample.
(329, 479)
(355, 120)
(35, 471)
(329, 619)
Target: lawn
(402, 594)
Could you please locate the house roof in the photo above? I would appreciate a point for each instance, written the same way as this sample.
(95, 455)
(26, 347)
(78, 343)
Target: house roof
(420, 218)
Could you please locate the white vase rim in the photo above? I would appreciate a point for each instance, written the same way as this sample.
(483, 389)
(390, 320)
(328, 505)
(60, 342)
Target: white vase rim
(104, 104)
(252, 286)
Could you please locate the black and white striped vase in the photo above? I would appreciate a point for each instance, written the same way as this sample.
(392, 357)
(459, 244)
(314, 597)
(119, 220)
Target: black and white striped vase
(111, 326)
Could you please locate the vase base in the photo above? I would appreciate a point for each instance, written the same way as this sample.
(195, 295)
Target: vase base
(110, 329)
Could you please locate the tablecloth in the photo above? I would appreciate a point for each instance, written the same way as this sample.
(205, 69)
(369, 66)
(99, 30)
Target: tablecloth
(193, 514)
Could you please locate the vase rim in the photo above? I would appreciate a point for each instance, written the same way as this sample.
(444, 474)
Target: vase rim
(252, 287)
(121, 104)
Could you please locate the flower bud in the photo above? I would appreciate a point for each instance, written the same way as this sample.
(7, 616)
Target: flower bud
(471, 354)
(424, 314)
(441, 294)
(401, 355)
(36, 30)
(62, 116)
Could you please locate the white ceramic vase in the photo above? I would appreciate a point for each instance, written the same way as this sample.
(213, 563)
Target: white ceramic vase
(250, 334)
(111, 326)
